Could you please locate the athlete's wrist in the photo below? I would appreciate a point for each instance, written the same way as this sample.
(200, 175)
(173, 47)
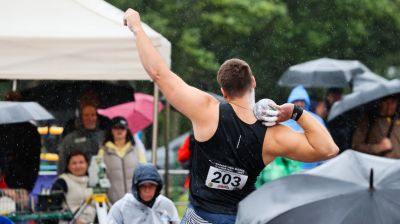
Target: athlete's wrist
(297, 112)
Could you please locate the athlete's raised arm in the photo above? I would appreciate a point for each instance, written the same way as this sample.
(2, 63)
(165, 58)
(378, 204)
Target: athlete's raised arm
(192, 102)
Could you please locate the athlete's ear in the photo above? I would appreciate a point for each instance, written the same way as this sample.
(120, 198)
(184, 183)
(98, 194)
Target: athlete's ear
(253, 82)
(223, 93)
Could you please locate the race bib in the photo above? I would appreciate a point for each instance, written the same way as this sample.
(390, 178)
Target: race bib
(226, 177)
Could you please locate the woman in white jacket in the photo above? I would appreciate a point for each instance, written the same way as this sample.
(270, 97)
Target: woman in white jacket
(144, 205)
(74, 183)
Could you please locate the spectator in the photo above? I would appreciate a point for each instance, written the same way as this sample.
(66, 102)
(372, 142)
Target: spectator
(318, 106)
(299, 96)
(13, 96)
(3, 184)
(378, 132)
(184, 155)
(144, 205)
(87, 138)
(332, 95)
(74, 183)
(19, 144)
(121, 155)
(87, 97)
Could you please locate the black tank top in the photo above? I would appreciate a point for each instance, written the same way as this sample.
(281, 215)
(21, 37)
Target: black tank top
(225, 168)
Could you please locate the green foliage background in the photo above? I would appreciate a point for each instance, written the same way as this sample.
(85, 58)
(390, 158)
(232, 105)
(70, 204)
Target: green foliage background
(271, 35)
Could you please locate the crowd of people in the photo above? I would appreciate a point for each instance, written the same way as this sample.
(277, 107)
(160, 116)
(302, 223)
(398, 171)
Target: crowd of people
(117, 147)
(234, 145)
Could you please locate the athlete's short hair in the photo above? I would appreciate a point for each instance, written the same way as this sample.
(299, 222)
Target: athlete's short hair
(235, 77)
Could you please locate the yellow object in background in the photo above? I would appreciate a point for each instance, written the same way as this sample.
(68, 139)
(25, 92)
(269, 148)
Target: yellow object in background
(55, 130)
(43, 130)
(49, 156)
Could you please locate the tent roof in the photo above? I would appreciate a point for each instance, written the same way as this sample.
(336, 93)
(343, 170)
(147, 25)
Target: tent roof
(69, 40)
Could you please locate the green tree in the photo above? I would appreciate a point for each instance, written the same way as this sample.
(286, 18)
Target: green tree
(271, 35)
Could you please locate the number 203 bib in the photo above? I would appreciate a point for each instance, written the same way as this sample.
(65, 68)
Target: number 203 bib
(225, 177)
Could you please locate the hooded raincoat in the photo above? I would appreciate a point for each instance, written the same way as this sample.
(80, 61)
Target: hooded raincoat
(131, 209)
(300, 93)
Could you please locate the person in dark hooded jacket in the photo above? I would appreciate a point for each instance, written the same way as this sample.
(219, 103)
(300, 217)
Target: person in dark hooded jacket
(145, 204)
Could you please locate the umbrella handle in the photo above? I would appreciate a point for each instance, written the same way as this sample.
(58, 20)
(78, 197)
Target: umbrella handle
(371, 180)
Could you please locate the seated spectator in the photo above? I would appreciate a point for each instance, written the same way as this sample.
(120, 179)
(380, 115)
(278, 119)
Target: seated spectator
(74, 183)
(121, 155)
(144, 205)
(378, 132)
(88, 138)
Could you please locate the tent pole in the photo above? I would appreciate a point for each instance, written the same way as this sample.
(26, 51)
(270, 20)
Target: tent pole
(155, 127)
(166, 145)
(14, 85)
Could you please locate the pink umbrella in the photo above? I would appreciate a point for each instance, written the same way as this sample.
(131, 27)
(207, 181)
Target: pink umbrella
(138, 113)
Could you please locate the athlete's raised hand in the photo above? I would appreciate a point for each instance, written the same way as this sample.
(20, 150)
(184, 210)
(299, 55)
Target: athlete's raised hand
(132, 20)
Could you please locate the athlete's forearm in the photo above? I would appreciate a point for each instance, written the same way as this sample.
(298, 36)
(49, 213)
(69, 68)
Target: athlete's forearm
(151, 59)
(317, 135)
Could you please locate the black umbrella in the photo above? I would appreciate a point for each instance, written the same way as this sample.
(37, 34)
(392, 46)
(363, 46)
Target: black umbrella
(365, 80)
(363, 97)
(17, 112)
(323, 72)
(62, 98)
(64, 95)
(20, 147)
(351, 188)
(346, 113)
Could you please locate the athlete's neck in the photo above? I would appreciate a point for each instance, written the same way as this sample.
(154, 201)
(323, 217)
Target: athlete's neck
(243, 108)
(246, 102)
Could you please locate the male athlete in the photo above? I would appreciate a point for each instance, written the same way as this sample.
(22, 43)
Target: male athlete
(231, 146)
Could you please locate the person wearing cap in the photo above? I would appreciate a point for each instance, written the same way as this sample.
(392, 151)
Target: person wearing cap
(145, 204)
(121, 155)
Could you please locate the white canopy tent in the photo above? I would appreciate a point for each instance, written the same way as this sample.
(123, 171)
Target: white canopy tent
(70, 40)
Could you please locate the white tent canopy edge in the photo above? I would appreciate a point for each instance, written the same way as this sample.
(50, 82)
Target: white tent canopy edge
(71, 40)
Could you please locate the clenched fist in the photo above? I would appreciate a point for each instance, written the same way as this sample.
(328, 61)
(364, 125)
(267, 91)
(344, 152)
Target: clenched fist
(132, 20)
